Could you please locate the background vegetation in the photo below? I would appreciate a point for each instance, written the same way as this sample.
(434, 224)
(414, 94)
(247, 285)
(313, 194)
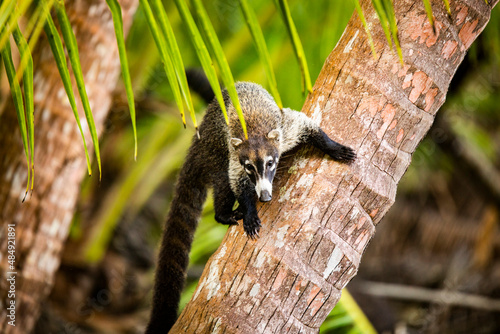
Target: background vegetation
(442, 233)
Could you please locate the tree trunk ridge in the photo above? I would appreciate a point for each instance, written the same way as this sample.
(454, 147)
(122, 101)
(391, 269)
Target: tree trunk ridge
(315, 231)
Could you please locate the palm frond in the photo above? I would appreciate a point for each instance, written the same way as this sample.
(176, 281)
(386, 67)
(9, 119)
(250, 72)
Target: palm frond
(447, 6)
(71, 46)
(167, 62)
(6, 9)
(367, 30)
(202, 53)
(175, 56)
(9, 16)
(220, 58)
(58, 52)
(387, 18)
(17, 97)
(347, 317)
(260, 44)
(33, 29)
(116, 13)
(430, 17)
(284, 10)
(391, 16)
(36, 22)
(27, 74)
(384, 21)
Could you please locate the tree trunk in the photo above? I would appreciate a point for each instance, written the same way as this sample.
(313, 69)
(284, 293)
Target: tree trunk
(42, 222)
(316, 230)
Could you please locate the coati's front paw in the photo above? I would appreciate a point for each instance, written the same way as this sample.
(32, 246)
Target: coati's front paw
(342, 153)
(251, 225)
(237, 214)
(227, 219)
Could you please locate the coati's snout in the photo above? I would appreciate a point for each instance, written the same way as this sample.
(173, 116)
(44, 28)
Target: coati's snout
(265, 196)
(259, 158)
(264, 189)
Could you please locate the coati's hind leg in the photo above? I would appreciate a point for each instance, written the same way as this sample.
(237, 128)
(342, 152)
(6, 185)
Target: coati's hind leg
(224, 200)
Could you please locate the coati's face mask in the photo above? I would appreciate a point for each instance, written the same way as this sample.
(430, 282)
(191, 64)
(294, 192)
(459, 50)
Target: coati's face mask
(259, 158)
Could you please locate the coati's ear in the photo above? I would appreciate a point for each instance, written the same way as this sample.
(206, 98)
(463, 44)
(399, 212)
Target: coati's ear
(274, 134)
(236, 142)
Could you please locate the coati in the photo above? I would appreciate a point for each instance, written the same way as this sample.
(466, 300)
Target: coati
(237, 169)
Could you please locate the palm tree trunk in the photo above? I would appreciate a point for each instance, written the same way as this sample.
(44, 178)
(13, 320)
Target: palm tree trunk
(42, 222)
(315, 232)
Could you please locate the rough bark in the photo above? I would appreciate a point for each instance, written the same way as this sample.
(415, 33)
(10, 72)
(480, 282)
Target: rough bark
(43, 221)
(315, 231)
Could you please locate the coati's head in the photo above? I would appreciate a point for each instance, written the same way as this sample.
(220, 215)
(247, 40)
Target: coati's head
(259, 157)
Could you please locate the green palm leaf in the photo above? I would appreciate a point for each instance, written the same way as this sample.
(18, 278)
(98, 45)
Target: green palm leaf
(447, 6)
(116, 13)
(167, 62)
(385, 13)
(391, 16)
(9, 12)
(27, 73)
(17, 97)
(260, 44)
(175, 55)
(58, 51)
(36, 22)
(384, 21)
(284, 10)
(202, 53)
(71, 46)
(159, 148)
(365, 25)
(220, 58)
(6, 9)
(430, 17)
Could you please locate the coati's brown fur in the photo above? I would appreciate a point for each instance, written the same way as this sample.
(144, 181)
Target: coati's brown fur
(237, 169)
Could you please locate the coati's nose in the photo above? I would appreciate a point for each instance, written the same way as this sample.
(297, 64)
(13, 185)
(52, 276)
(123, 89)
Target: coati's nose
(265, 196)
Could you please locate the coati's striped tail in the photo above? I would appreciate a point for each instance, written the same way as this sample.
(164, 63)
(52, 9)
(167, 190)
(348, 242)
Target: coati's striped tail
(185, 211)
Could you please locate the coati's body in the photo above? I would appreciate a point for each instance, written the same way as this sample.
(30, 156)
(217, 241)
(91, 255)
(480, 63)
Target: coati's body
(237, 170)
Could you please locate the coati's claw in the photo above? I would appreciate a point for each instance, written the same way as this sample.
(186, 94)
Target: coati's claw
(251, 225)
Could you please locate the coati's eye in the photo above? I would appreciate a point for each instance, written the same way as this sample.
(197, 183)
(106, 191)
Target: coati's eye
(270, 163)
(249, 167)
